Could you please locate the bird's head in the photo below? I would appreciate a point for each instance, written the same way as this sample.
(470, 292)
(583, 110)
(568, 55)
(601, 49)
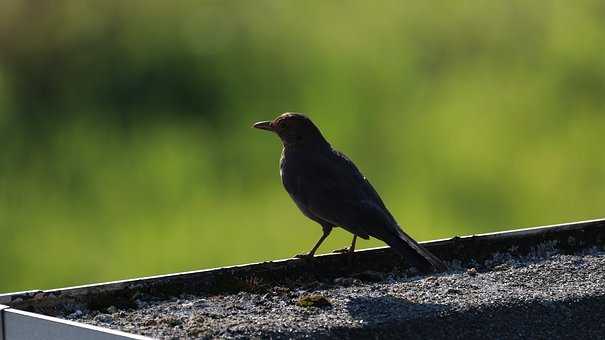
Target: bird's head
(293, 129)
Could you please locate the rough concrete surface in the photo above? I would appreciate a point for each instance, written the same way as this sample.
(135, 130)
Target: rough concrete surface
(544, 295)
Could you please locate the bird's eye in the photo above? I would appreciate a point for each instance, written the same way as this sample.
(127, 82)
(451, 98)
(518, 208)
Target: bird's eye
(299, 137)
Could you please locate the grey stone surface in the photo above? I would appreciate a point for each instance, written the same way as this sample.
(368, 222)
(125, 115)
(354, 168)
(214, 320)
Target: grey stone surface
(544, 295)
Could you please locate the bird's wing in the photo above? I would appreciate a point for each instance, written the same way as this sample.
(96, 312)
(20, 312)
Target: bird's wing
(366, 186)
(347, 199)
(329, 187)
(336, 191)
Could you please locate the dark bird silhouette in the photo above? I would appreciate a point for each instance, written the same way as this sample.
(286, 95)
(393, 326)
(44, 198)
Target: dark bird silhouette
(329, 189)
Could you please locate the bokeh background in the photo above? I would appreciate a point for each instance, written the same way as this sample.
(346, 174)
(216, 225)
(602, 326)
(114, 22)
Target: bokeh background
(126, 147)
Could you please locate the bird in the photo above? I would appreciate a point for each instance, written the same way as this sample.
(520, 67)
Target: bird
(329, 189)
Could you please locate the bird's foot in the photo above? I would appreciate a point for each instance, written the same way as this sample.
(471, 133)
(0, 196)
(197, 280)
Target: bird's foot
(303, 256)
(342, 251)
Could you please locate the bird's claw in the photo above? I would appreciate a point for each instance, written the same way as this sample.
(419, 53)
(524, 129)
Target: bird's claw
(342, 251)
(303, 256)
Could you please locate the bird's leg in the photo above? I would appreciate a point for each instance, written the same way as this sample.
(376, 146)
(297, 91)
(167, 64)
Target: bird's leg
(348, 249)
(352, 250)
(326, 232)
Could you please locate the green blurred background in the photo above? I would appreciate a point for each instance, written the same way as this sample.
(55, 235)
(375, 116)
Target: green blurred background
(126, 147)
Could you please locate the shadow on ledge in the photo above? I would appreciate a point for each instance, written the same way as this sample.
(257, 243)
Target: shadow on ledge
(395, 318)
(375, 312)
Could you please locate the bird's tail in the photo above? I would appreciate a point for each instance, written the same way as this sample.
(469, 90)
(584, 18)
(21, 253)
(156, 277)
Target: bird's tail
(413, 252)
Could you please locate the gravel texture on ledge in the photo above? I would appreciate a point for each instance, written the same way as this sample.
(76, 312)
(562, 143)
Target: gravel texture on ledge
(543, 295)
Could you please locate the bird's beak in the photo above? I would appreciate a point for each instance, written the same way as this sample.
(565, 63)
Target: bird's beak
(266, 125)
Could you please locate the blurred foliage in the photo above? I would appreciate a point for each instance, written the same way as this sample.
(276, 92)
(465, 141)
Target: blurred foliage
(126, 140)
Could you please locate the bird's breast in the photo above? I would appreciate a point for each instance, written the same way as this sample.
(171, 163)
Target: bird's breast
(282, 161)
(292, 169)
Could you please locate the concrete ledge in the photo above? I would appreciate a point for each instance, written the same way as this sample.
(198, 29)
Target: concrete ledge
(2, 308)
(548, 278)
